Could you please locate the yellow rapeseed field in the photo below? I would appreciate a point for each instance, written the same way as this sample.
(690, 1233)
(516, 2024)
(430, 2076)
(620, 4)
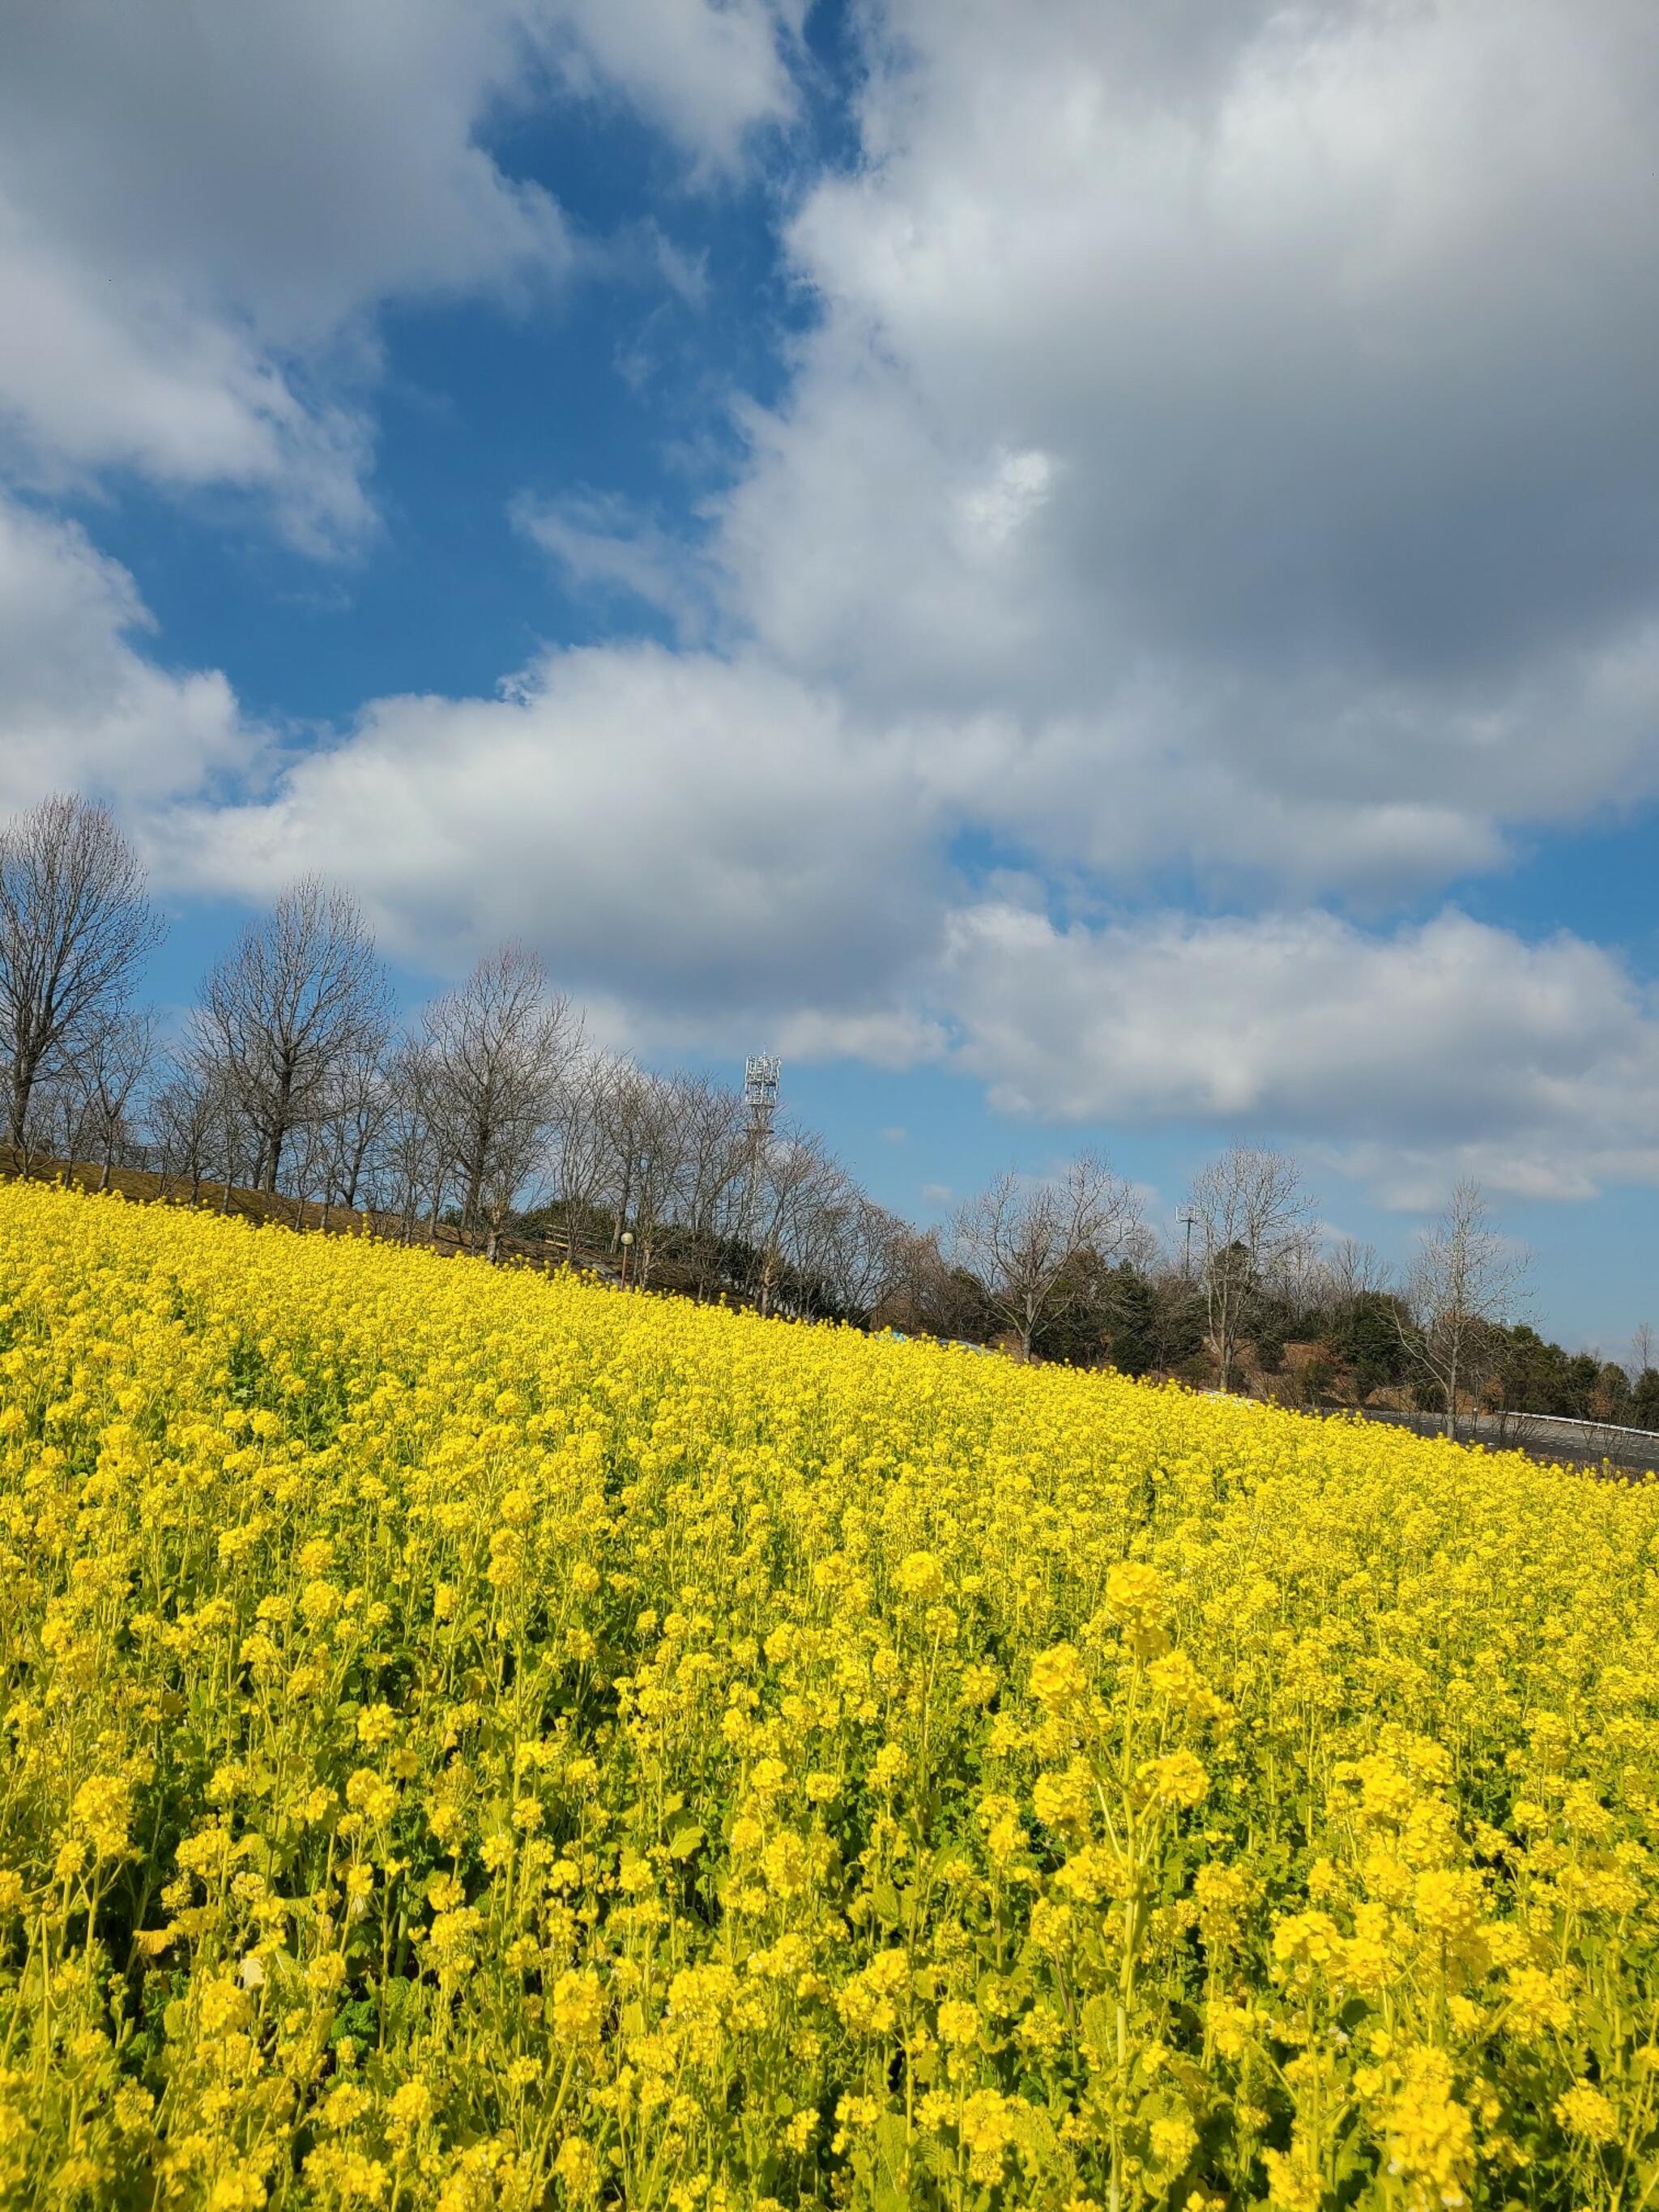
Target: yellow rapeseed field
(472, 1740)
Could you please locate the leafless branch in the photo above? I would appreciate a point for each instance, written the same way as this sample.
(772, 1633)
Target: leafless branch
(75, 928)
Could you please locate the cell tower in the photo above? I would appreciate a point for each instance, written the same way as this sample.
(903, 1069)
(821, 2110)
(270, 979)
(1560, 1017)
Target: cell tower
(760, 1095)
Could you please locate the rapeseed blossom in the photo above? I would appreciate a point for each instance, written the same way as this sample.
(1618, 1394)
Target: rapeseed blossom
(475, 1741)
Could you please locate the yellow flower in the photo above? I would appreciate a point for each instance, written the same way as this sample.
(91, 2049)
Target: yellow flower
(368, 1793)
(1307, 1939)
(1178, 1778)
(578, 2005)
(1058, 1677)
(921, 1576)
(745, 1707)
(103, 1814)
(1137, 1597)
(787, 1865)
(986, 2130)
(576, 2165)
(890, 1763)
(1583, 2111)
(798, 2132)
(410, 2106)
(1173, 2138)
(1431, 2135)
(224, 2004)
(1535, 2004)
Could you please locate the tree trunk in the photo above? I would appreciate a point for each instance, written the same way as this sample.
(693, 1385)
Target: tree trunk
(19, 1122)
(23, 1084)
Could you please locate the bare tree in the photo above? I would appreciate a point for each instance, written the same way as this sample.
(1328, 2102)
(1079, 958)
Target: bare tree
(309, 1169)
(301, 991)
(55, 1124)
(412, 1148)
(75, 928)
(1644, 1346)
(1251, 1214)
(1019, 1237)
(107, 1066)
(1355, 1270)
(624, 1116)
(1465, 1281)
(660, 1171)
(861, 1255)
(496, 1050)
(811, 1234)
(235, 1140)
(354, 1123)
(783, 1179)
(713, 1158)
(181, 1119)
(582, 1136)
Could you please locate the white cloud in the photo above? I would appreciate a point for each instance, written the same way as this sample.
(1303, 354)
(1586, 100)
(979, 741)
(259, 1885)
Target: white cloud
(1407, 1053)
(1228, 445)
(710, 852)
(1234, 426)
(889, 1037)
(81, 706)
(1299, 784)
(708, 71)
(201, 210)
(699, 838)
(95, 371)
(603, 547)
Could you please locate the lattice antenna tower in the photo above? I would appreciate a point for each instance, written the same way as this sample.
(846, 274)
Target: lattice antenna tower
(760, 1097)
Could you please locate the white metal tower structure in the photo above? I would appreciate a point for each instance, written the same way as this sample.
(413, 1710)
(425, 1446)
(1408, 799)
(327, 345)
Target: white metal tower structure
(760, 1095)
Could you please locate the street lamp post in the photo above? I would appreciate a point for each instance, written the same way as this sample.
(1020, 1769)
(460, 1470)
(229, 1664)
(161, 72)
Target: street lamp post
(627, 1243)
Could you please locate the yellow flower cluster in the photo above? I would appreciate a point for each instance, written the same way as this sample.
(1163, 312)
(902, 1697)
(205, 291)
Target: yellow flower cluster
(475, 1741)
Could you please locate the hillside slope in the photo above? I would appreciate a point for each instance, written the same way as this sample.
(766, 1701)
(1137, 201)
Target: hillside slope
(474, 1738)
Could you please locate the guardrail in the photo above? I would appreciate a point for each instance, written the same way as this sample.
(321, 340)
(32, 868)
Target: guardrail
(1555, 1436)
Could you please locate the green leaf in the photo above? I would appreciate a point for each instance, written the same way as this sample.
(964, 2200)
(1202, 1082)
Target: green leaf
(1099, 2024)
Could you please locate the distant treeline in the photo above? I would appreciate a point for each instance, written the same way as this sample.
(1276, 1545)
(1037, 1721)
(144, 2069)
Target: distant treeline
(490, 1122)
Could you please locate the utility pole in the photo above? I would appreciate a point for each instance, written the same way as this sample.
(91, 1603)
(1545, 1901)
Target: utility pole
(1187, 1220)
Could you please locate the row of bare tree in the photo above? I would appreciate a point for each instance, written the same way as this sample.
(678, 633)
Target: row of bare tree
(494, 1116)
(290, 1076)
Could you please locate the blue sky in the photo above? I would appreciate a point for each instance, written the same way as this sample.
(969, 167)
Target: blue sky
(1088, 575)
